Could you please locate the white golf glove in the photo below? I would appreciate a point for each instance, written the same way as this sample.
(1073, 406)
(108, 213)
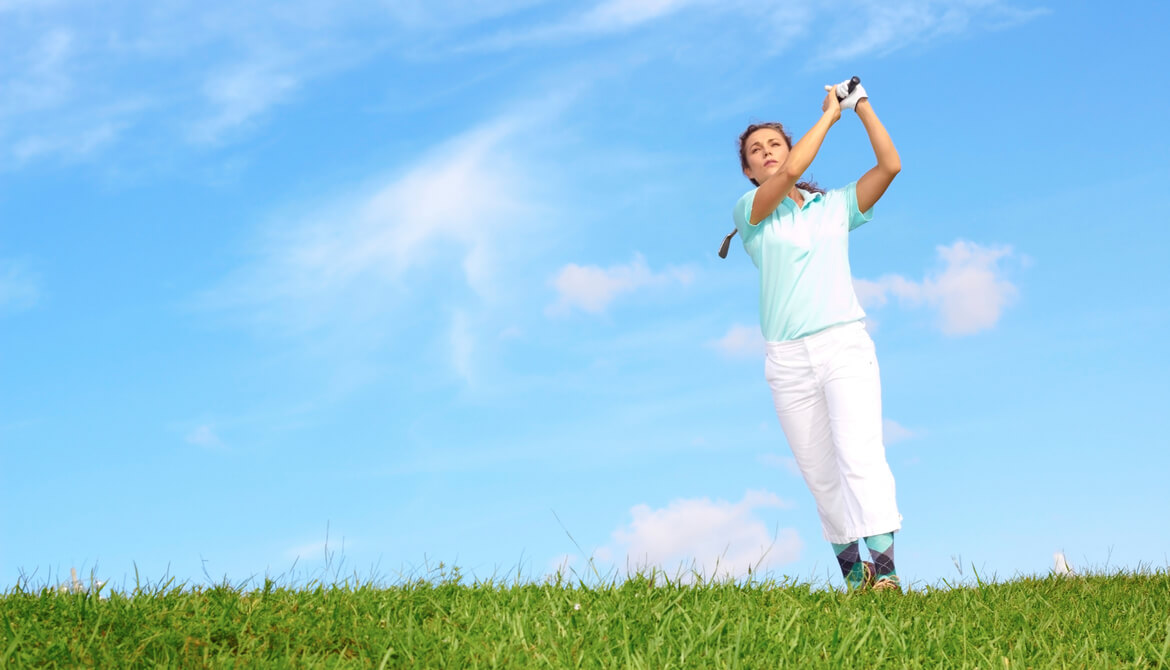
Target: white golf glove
(850, 100)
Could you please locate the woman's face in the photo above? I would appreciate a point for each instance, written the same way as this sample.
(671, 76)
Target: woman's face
(766, 151)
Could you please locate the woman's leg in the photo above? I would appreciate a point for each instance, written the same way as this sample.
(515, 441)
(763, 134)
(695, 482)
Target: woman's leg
(881, 549)
(853, 397)
(803, 413)
(857, 573)
(802, 410)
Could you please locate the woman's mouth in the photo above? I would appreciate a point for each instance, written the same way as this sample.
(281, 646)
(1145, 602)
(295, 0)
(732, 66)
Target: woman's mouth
(771, 163)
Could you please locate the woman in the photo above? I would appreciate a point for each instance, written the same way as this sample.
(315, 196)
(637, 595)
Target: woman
(820, 361)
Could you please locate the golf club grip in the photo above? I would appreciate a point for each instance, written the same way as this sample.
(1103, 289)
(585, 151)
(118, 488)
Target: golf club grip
(853, 82)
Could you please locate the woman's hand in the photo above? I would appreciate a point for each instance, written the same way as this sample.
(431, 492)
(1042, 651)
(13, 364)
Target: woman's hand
(831, 106)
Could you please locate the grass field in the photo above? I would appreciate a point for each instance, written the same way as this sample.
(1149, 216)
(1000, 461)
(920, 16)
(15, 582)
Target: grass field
(1103, 621)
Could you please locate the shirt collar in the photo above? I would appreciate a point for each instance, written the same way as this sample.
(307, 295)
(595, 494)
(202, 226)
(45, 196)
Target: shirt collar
(809, 197)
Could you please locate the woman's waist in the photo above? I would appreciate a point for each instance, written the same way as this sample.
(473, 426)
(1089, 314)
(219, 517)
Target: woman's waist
(814, 337)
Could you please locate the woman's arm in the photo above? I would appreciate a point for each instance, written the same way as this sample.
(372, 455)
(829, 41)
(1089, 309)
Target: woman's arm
(773, 191)
(874, 183)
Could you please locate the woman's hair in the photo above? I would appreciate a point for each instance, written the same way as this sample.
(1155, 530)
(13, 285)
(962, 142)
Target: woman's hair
(809, 186)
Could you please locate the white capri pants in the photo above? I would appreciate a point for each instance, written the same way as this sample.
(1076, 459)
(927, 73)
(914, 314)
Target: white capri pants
(828, 395)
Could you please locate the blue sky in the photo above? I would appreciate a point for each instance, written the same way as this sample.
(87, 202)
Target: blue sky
(441, 278)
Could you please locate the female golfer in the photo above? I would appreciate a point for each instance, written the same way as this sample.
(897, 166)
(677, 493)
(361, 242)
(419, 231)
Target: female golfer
(820, 361)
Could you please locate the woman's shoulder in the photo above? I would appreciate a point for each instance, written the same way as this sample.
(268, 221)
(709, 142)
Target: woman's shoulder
(749, 196)
(838, 194)
(743, 206)
(843, 190)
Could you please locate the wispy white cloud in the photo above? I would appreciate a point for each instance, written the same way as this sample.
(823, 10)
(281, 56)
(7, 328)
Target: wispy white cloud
(615, 15)
(204, 436)
(894, 432)
(716, 538)
(444, 14)
(230, 66)
(591, 288)
(603, 18)
(348, 261)
(70, 146)
(786, 463)
(969, 293)
(883, 26)
(859, 27)
(43, 78)
(741, 341)
(239, 94)
(69, 69)
(19, 286)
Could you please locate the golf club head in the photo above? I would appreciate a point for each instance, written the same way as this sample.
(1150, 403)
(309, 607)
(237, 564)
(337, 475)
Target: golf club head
(726, 244)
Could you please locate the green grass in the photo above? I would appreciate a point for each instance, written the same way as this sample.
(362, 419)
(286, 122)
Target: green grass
(1102, 621)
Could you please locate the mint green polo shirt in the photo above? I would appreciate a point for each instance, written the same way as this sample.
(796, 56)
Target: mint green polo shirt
(803, 257)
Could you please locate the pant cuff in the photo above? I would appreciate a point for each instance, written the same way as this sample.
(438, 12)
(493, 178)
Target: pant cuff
(855, 534)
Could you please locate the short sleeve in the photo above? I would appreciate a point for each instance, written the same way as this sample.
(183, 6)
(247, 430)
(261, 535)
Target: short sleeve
(856, 216)
(743, 212)
(749, 234)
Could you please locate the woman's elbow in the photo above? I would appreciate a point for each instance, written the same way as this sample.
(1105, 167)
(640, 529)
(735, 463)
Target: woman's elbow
(792, 173)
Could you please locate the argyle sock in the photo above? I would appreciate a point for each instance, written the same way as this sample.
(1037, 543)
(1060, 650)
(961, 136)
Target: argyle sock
(881, 550)
(849, 558)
